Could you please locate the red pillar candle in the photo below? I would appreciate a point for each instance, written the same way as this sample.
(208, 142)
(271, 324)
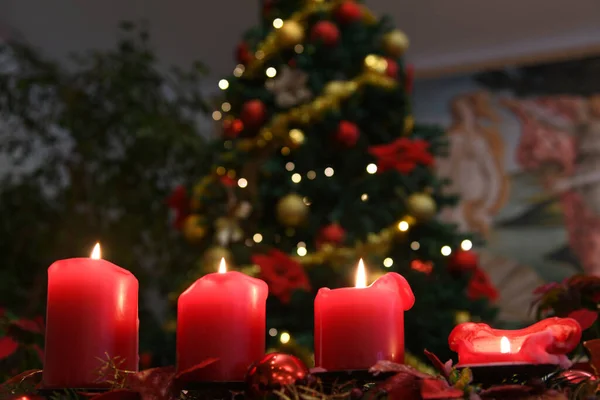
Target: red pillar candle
(222, 316)
(356, 327)
(546, 342)
(92, 314)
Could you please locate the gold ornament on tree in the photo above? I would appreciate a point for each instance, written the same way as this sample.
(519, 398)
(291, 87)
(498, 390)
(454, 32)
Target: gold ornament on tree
(290, 34)
(194, 229)
(395, 43)
(291, 210)
(376, 64)
(421, 206)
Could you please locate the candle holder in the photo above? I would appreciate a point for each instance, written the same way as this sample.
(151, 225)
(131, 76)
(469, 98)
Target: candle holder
(497, 373)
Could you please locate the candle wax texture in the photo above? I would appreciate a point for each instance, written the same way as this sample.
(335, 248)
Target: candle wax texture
(545, 342)
(92, 314)
(356, 327)
(222, 315)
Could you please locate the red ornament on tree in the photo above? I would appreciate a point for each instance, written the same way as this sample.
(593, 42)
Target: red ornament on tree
(232, 128)
(253, 113)
(243, 54)
(332, 233)
(348, 12)
(392, 68)
(347, 133)
(463, 261)
(326, 32)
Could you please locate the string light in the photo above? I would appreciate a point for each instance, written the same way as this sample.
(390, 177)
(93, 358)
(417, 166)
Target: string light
(290, 166)
(257, 237)
(223, 84)
(415, 246)
(296, 178)
(403, 226)
(259, 55)
(277, 23)
(226, 107)
(298, 49)
(216, 115)
(221, 171)
(371, 168)
(273, 332)
(248, 242)
(466, 245)
(301, 251)
(301, 244)
(329, 172)
(364, 197)
(285, 337)
(242, 182)
(297, 136)
(311, 175)
(271, 72)
(388, 262)
(446, 250)
(239, 70)
(306, 201)
(231, 173)
(285, 151)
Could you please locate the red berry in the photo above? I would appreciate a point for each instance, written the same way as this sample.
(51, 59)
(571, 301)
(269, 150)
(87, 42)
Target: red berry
(326, 32)
(243, 54)
(392, 68)
(348, 12)
(463, 261)
(253, 113)
(332, 234)
(347, 133)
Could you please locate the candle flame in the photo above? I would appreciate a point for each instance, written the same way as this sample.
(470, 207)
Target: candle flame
(361, 275)
(222, 266)
(96, 253)
(504, 345)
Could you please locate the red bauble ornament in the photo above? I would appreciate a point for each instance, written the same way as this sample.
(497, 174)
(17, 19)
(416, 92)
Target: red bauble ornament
(332, 233)
(392, 68)
(463, 261)
(253, 113)
(347, 133)
(232, 128)
(274, 371)
(348, 12)
(243, 54)
(326, 32)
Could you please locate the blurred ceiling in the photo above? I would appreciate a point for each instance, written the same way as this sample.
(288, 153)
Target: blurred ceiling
(446, 35)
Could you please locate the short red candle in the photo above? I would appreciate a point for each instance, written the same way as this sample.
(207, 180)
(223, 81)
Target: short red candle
(92, 314)
(222, 316)
(356, 327)
(546, 342)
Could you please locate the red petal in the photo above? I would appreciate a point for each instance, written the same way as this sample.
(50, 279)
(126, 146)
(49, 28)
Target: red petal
(439, 389)
(28, 325)
(585, 317)
(437, 363)
(7, 347)
(189, 374)
(118, 394)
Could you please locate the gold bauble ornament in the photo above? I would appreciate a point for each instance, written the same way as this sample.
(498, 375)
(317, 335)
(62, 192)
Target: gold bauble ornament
(291, 210)
(335, 88)
(212, 258)
(290, 34)
(395, 43)
(194, 229)
(462, 317)
(421, 206)
(376, 64)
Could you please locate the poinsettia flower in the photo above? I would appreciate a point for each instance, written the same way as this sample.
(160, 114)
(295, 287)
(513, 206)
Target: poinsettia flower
(7, 347)
(282, 273)
(178, 201)
(585, 317)
(480, 286)
(402, 155)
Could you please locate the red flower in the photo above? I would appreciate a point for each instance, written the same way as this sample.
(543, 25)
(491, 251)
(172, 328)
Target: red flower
(403, 155)
(585, 317)
(178, 201)
(481, 286)
(283, 274)
(7, 347)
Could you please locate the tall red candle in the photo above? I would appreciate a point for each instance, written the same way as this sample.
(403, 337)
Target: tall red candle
(92, 314)
(222, 316)
(356, 327)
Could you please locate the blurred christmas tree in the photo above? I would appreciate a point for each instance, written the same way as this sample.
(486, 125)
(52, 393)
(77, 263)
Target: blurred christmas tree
(320, 164)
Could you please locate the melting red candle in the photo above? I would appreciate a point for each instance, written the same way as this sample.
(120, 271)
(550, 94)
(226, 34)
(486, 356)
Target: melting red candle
(222, 316)
(546, 342)
(356, 327)
(92, 315)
